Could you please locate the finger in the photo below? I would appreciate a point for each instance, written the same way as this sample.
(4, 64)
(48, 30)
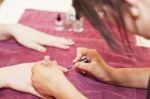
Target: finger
(63, 69)
(80, 52)
(34, 46)
(48, 39)
(57, 44)
(66, 41)
(61, 40)
(34, 92)
(82, 66)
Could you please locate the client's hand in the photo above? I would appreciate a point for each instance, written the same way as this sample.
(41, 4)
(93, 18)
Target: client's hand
(18, 77)
(97, 66)
(35, 39)
(49, 80)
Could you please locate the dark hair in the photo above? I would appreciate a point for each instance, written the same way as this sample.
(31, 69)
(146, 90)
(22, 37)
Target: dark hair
(111, 8)
(1, 1)
(148, 90)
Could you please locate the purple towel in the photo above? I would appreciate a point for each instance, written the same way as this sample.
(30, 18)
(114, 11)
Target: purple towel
(13, 53)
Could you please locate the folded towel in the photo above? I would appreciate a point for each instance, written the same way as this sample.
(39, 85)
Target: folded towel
(12, 53)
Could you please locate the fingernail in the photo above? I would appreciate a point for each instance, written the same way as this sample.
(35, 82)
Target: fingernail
(42, 50)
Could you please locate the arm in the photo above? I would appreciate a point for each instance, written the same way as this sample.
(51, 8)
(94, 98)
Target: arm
(131, 77)
(128, 77)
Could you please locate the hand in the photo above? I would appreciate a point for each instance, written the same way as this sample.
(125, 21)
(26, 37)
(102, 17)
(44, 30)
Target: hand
(34, 39)
(49, 80)
(18, 77)
(97, 66)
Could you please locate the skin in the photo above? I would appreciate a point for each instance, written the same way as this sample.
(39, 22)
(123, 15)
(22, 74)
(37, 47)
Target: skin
(45, 83)
(143, 6)
(51, 75)
(26, 36)
(137, 77)
(22, 72)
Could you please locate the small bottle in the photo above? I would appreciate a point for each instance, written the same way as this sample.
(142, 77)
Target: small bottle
(59, 23)
(78, 25)
(68, 25)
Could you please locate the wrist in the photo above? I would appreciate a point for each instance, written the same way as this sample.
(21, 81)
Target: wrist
(5, 31)
(12, 29)
(105, 73)
(114, 76)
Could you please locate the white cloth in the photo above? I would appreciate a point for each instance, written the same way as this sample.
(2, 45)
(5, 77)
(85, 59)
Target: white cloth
(11, 10)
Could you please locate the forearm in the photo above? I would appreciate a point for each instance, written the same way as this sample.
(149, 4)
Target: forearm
(131, 77)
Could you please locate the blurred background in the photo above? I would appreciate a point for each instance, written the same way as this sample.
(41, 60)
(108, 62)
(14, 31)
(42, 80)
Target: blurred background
(12, 10)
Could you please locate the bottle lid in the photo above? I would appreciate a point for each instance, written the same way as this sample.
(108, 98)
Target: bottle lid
(58, 17)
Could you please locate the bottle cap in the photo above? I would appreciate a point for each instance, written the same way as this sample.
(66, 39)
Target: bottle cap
(58, 17)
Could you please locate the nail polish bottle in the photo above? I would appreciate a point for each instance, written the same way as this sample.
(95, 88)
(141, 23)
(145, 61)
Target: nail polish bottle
(59, 23)
(78, 25)
(68, 23)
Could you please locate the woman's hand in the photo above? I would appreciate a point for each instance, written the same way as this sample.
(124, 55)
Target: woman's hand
(97, 66)
(35, 39)
(18, 77)
(49, 80)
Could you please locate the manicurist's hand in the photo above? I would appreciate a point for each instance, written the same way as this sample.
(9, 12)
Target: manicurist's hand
(97, 66)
